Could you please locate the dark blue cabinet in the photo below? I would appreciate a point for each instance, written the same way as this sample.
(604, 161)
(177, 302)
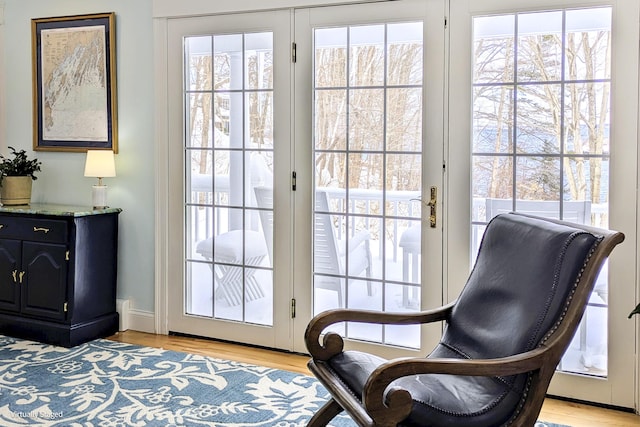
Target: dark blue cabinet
(58, 273)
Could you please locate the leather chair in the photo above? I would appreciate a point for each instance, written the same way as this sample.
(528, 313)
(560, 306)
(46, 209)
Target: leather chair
(503, 337)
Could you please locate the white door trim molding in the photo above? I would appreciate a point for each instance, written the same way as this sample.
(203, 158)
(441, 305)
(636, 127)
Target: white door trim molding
(161, 157)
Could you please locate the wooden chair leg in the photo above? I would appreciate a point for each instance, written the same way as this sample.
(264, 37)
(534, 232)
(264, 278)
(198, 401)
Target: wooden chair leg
(325, 414)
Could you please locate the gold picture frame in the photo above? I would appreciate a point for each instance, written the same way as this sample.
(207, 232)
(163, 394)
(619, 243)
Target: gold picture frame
(74, 83)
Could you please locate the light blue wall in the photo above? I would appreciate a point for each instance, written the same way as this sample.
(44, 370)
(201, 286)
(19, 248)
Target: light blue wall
(61, 179)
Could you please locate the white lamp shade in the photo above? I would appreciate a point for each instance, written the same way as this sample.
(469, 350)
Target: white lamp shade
(100, 164)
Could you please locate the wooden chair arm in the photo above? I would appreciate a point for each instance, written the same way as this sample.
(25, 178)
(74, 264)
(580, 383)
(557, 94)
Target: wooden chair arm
(396, 405)
(333, 343)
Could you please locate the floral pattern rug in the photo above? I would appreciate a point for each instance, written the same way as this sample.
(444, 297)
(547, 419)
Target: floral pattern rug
(111, 384)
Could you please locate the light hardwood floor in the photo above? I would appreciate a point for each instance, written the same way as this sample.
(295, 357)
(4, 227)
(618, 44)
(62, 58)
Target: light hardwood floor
(573, 414)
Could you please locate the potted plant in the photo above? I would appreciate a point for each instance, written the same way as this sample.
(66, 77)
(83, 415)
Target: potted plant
(16, 176)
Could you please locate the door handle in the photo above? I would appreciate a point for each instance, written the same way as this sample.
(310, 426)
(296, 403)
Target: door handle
(433, 202)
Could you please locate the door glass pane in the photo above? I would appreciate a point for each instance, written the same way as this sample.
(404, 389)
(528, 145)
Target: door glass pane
(367, 145)
(541, 135)
(228, 153)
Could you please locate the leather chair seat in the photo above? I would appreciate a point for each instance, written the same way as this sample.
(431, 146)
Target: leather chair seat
(439, 400)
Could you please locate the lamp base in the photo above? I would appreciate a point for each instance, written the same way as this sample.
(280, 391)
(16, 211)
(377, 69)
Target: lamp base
(99, 196)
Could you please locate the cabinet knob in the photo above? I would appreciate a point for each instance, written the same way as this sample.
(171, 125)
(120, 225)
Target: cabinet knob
(45, 230)
(14, 274)
(21, 275)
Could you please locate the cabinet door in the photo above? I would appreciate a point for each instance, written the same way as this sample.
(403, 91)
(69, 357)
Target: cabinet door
(10, 254)
(44, 280)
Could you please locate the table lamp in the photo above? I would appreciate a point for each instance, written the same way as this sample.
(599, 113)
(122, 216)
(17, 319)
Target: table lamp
(99, 164)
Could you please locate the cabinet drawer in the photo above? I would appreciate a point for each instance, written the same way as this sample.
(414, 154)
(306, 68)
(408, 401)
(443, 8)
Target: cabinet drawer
(39, 230)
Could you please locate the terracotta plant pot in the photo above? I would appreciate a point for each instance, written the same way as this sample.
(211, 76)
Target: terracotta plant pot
(16, 190)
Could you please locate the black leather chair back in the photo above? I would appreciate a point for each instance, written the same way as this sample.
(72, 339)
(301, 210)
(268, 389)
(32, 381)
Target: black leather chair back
(518, 288)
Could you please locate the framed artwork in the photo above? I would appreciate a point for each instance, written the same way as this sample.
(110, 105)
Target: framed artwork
(74, 83)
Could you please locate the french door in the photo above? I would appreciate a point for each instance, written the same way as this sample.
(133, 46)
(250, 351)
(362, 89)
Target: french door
(300, 154)
(229, 92)
(550, 133)
(369, 137)
(304, 145)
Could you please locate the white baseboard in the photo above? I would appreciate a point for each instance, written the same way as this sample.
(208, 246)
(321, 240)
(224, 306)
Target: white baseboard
(136, 320)
(122, 307)
(143, 321)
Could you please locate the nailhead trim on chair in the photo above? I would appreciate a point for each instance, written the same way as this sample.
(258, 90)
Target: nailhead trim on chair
(346, 386)
(554, 288)
(573, 291)
(495, 402)
(525, 392)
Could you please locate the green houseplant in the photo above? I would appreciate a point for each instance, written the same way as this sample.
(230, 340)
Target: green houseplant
(16, 176)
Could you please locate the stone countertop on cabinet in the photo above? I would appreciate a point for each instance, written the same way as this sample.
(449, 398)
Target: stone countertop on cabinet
(57, 210)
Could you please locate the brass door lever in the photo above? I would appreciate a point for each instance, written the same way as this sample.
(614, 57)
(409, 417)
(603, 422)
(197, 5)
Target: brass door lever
(433, 201)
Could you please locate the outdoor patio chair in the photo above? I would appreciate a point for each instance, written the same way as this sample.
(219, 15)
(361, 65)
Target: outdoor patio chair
(226, 251)
(503, 336)
(578, 211)
(264, 200)
(229, 250)
(330, 252)
(410, 243)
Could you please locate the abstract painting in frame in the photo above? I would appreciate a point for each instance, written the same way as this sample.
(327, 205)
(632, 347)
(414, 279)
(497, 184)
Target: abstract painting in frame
(74, 83)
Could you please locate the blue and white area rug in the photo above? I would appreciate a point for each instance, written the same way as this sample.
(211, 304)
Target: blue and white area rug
(111, 384)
